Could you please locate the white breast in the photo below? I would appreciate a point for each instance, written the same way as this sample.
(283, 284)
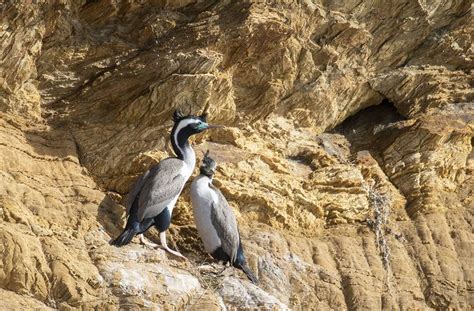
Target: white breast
(202, 197)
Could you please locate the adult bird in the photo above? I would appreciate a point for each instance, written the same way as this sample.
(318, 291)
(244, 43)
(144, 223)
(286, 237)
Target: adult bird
(215, 221)
(154, 194)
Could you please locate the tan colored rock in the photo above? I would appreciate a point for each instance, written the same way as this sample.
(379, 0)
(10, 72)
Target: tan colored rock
(436, 89)
(340, 206)
(13, 301)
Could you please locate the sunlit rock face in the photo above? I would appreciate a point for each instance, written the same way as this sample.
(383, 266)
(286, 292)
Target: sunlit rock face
(347, 156)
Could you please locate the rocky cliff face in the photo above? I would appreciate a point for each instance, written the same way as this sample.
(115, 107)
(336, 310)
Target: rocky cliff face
(347, 160)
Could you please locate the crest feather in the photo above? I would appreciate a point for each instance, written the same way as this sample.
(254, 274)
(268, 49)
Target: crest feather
(177, 115)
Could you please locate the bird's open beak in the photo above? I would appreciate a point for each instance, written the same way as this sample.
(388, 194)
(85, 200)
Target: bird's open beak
(210, 126)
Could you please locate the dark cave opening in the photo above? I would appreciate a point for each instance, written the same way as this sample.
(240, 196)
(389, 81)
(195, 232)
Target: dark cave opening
(372, 128)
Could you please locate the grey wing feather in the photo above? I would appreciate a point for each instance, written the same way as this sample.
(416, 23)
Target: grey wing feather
(224, 221)
(137, 187)
(162, 185)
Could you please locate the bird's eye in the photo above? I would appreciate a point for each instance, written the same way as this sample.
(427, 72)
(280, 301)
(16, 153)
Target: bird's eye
(200, 125)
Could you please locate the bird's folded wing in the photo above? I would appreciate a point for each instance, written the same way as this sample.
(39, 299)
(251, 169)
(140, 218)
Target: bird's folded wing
(224, 221)
(163, 184)
(137, 187)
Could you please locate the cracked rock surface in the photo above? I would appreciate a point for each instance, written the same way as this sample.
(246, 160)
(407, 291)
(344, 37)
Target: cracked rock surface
(347, 157)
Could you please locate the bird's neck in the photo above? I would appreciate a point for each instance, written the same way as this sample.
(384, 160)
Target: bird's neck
(182, 148)
(203, 182)
(204, 172)
(206, 178)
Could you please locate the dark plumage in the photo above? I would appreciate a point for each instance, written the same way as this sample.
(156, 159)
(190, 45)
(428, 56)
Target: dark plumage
(154, 194)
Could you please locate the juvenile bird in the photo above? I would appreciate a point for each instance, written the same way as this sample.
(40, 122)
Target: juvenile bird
(154, 194)
(215, 221)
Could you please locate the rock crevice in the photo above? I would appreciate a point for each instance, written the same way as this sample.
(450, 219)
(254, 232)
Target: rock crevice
(347, 157)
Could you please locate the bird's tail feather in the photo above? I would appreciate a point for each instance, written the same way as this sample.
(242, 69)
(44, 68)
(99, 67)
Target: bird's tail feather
(124, 238)
(249, 273)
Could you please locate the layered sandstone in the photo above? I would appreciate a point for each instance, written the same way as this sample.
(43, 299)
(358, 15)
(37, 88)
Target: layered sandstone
(347, 157)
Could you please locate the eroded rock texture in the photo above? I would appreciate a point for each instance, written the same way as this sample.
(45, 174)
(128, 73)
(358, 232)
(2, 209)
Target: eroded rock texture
(347, 157)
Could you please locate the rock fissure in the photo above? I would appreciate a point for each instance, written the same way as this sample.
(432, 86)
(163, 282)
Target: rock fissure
(330, 108)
